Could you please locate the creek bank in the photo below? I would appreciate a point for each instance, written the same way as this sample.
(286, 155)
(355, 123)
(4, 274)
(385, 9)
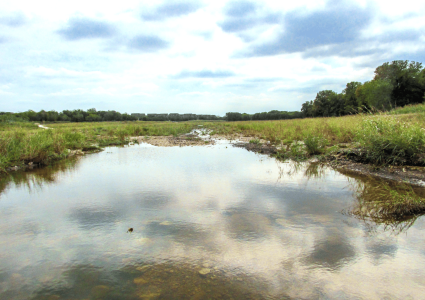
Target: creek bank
(346, 164)
(36, 163)
(258, 148)
(349, 161)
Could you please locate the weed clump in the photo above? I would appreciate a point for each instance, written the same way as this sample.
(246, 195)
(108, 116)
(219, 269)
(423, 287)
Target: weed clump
(315, 144)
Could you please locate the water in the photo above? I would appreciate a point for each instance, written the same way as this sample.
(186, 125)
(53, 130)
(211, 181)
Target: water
(213, 222)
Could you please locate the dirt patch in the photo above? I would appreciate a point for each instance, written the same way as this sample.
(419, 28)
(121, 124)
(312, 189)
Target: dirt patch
(172, 141)
(238, 138)
(258, 147)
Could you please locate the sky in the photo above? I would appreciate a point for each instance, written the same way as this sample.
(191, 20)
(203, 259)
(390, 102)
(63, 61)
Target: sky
(204, 57)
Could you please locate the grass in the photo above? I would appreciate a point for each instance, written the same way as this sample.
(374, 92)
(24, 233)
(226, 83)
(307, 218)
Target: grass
(335, 130)
(408, 109)
(23, 142)
(315, 144)
(388, 140)
(383, 139)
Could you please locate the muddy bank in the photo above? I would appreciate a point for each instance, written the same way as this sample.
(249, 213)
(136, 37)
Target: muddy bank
(34, 164)
(258, 147)
(172, 141)
(414, 175)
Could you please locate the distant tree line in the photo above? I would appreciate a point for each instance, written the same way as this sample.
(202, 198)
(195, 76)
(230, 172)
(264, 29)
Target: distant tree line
(271, 115)
(77, 115)
(92, 115)
(174, 117)
(395, 84)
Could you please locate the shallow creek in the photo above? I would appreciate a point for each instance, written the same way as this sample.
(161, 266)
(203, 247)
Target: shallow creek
(211, 222)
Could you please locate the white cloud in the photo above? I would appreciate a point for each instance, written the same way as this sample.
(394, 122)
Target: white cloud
(63, 72)
(129, 56)
(84, 91)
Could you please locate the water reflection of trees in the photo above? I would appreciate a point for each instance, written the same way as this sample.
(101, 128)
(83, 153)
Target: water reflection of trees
(309, 170)
(36, 178)
(392, 206)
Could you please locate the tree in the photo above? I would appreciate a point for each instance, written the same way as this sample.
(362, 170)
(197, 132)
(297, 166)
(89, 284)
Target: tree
(375, 94)
(405, 79)
(233, 116)
(336, 105)
(321, 105)
(350, 99)
(307, 109)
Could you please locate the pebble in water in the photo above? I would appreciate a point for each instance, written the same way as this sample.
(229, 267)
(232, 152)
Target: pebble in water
(204, 271)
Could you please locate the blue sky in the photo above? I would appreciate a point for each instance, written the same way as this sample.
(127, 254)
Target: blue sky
(192, 56)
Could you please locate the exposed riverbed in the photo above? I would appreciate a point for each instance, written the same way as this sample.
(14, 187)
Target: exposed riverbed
(212, 222)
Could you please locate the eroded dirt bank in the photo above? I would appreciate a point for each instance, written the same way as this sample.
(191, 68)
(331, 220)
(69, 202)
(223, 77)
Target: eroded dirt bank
(414, 175)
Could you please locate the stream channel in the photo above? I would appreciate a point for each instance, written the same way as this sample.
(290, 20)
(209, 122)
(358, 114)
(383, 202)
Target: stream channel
(209, 222)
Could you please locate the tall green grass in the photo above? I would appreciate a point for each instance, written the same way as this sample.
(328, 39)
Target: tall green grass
(387, 140)
(334, 130)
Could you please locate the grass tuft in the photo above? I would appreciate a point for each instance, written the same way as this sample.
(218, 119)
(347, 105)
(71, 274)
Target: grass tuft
(315, 144)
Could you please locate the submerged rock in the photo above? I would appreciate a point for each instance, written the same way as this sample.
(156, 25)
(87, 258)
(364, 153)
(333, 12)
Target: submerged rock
(140, 280)
(100, 291)
(204, 271)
